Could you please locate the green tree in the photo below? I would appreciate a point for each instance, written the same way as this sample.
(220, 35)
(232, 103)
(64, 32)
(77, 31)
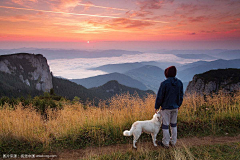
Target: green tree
(76, 99)
(52, 92)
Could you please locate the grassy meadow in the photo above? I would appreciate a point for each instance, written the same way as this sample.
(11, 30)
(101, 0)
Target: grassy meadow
(24, 130)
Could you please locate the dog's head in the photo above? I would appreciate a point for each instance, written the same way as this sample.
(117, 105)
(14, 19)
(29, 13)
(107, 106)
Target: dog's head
(157, 117)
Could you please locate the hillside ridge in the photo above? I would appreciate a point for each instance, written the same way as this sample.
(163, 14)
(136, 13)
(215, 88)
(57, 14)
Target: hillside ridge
(97, 81)
(227, 80)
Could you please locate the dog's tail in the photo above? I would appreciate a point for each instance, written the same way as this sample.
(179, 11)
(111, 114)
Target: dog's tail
(128, 133)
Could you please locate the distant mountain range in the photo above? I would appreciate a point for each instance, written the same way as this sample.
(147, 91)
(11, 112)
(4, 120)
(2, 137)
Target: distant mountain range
(102, 79)
(151, 76)
(161, 65)
(139, 75)
(120, 68)
(190, 70)
(202, 51)
(216, 53)
(196, 56)
(51, 54)
(143, 77)
(205, 54)
(125, 67)
(190, 65)
(228, 54)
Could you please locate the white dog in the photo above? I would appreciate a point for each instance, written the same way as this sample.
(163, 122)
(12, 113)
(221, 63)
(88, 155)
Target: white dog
(149, 126)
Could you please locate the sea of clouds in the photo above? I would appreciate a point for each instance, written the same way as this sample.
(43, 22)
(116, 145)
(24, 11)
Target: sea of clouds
(78, 68)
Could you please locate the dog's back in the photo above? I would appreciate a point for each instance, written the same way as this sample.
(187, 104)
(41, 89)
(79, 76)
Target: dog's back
(133, 128)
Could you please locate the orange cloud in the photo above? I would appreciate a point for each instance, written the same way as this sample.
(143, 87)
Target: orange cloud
(192, 34)
(152, 4)
(191, 8)
(198, 19)
(80, 14)
(89, 4)
(64, 5)
(128, 23)
(208, 31)
(235, 21)
(231, 31)
(25, 3)
(21, 2)
(138, 13)
(122, 25)
(144, 20)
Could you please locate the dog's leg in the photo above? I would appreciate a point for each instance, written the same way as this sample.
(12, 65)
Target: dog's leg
(154, 139)
(135, 138)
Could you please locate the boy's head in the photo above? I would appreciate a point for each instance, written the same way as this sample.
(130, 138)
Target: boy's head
(170, 71)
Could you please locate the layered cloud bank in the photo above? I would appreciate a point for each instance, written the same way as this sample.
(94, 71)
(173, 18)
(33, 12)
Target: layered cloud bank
(79, 68)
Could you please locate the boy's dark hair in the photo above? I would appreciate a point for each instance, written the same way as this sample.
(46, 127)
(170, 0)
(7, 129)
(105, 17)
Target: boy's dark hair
(170, 71)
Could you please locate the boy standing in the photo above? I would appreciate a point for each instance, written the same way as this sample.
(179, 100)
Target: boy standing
(169, 97)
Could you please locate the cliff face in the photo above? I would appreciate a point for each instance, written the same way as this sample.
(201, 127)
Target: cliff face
(226, 80)
(32, 69)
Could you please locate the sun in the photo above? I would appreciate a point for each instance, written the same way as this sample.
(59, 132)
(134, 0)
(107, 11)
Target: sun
(88, 42)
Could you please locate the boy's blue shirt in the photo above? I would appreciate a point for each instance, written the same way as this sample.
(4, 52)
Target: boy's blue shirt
(170, 94)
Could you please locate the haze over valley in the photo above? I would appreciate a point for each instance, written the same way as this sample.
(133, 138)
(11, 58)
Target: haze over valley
(95, 68)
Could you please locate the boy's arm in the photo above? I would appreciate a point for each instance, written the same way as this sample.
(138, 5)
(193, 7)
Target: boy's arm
(181, 95)
(160, 97)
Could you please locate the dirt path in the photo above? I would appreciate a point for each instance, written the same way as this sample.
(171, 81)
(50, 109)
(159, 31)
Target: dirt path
(123, 148)
(95, 151)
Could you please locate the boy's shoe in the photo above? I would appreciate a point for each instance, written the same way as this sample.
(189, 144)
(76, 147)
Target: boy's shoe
(162, 145)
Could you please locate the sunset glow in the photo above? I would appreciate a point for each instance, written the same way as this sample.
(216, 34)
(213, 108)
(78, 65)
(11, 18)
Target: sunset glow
(138, 20)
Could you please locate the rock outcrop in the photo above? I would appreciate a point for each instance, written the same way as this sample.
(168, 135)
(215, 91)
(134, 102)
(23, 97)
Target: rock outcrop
(32, 69)
(226, 80)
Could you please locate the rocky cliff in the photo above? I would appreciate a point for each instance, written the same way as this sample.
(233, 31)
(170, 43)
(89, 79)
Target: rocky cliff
(227, 80)
(31, 69)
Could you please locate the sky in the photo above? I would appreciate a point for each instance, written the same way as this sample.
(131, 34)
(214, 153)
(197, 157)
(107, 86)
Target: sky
(120, 24)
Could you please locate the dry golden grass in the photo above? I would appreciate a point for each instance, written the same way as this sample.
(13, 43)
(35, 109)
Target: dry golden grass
(23, 124)
(26, 124)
